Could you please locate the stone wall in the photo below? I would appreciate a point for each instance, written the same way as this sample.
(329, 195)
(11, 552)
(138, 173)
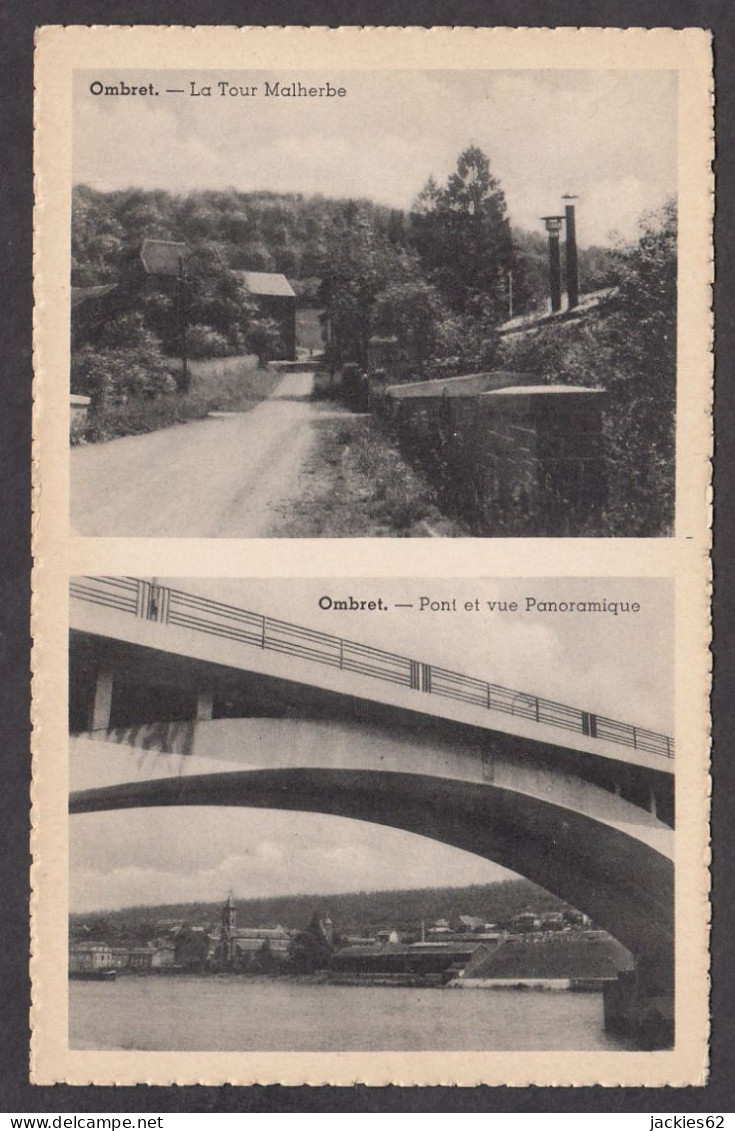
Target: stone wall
(517, 459)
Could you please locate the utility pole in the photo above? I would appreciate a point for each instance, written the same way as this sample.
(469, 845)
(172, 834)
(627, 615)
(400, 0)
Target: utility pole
(184, 381)
(553, 227)
(572, 259)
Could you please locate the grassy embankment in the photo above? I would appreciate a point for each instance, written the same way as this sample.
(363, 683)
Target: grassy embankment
(228, 384)
(356, 484)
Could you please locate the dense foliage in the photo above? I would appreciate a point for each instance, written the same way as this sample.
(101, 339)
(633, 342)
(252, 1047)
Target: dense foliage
(438, 277)
(629, 349)
(224, 230)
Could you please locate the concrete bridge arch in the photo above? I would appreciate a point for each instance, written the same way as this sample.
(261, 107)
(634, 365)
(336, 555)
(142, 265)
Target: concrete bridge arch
(623, 883)
(258, 713)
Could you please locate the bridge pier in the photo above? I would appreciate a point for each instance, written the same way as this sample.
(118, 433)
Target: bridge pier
(204, 706)
(101, 706)
(640, 1004)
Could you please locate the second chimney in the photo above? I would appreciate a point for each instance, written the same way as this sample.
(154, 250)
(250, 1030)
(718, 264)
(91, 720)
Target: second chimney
(572, 261)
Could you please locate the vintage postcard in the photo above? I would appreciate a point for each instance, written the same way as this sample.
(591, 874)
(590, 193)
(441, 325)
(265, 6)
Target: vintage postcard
(373, 390)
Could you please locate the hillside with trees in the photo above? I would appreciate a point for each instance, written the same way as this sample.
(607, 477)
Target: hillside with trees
(437, 276)
(360, 911)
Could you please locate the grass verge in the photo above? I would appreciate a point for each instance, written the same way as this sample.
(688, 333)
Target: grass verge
(357, 485)
(230, 384)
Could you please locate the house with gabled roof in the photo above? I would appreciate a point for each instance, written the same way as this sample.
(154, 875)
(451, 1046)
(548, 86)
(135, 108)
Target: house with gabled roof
(159, 264)
(163, 258)
(276, 299)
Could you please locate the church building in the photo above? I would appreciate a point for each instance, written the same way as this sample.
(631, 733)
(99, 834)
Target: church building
(244, 948)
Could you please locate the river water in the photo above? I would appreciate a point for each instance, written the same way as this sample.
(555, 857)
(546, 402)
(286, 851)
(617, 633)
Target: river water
(211, 1013)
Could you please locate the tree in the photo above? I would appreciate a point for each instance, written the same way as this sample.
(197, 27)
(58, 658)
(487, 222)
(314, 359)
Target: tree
(412, 310)
(222, 300)
(311, 949)
(264, 339)
(628, 348)
(97, 239)
(641, 337)
(362, 263)
(462, 234)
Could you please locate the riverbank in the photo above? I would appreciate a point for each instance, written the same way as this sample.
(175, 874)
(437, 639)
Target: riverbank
(329, 978)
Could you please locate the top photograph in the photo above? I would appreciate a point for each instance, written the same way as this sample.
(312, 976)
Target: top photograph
(373, 304)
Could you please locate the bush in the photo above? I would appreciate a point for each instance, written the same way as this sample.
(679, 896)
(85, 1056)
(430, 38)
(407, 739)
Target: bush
(205, 341)
(264, 339)
(218, 385)
(113, 376)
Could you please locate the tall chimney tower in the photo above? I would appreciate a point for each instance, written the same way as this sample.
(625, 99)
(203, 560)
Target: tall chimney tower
(553, 227)
(572, 260)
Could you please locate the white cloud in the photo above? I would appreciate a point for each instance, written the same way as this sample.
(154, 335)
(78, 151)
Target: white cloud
(166, 856)
(546, 133)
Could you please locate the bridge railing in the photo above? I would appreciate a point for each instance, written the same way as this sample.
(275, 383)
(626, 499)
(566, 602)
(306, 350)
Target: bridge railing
(123, 593)
(215, 618)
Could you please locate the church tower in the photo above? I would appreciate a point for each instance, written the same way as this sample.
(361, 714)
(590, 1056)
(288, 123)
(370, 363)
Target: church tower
(229, 925)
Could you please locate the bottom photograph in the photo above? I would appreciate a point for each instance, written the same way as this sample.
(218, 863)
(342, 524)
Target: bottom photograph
(374, 814)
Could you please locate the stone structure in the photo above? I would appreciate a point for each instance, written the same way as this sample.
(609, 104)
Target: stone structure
(386, 354)
(529, 457)
(79, 407)
(249, 947)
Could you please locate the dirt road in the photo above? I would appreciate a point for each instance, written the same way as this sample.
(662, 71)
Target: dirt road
(224, 477)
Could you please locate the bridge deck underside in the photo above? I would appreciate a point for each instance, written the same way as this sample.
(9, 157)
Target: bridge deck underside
(146, 679)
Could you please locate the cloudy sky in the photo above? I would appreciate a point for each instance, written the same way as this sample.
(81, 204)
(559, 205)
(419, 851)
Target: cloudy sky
(608, 136)
(621, 666)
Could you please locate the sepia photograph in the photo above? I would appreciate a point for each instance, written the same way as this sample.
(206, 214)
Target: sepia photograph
(303, 818)
(428, 303)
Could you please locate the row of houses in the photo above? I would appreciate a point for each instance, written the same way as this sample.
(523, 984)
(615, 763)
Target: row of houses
(441, 946)
(192, 950)
(97, 957)
(184, 947)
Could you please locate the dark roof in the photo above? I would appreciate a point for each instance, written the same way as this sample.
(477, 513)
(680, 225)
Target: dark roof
(267, 283)
(259, 933)
(279, 943)
(163, 257)
(460, 949)
(82, 294)
(588, 304)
